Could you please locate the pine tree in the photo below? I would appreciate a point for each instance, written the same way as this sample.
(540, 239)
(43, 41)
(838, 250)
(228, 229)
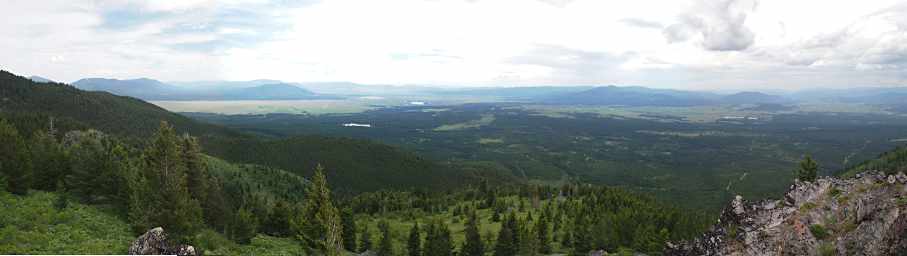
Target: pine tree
(808, 169)
(167, 200)
(318, 226)
(414, 244)
(438, 240)
(50, 161)
(473, 245)
(15, 162)
(366, 239)
(349, 229)
(278, 222)
(385, 246)
(243, 226)
(541, 231)
(507, 243)
(196, 167)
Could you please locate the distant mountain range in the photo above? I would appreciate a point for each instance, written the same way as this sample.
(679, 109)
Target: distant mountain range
(149, 89)
(265, 89)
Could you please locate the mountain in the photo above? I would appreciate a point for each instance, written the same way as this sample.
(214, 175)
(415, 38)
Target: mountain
(277, 91)
(864, 215)
(632, 96)
(39, 79)
(866, 95)
(149, 89)
(753, 98)
(355, 165)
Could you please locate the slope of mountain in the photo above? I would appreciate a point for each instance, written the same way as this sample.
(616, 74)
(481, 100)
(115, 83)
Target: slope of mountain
(632, 96)
(101, 110)
(39, 79)
(349, 160)
(148, 89)
(752, 98)
(891, 162)
(869, 95)
(142, 88)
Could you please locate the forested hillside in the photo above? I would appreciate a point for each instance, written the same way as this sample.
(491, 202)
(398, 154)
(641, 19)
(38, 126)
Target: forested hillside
(30, 106)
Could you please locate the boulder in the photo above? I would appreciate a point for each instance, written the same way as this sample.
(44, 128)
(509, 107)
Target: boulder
(154, 242)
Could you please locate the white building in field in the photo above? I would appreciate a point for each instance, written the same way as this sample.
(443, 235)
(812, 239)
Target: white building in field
(357, 125)
(417, 103)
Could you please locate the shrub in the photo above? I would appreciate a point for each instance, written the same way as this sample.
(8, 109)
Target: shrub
(819, 231)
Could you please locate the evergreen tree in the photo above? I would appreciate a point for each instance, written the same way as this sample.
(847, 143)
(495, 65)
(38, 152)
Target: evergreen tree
(473, 245)
(507, 243)
(165, 199)
(365, 239)
(278, 222)
(196, 167)
(50, 161)
(808, 169)
(414, 244)
(438, 241)
(385, 246)
(318, 226)
(544, 240)
(244, 226)
(349, 229)
(15, 162)
(217, 208)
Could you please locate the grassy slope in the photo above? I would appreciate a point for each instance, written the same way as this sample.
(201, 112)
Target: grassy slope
(33, 224)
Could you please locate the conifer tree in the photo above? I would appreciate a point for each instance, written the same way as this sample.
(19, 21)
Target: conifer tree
(473, 245)
(366, 239)
(278, 221)
(15, 162)
(507, 243)
(167, 197)
(544, 240)
(196, 167)
(349, 229)
(244, 226)
(50, 164)
(318, 226)
(414, 244)
(385, 246)
(808, 169)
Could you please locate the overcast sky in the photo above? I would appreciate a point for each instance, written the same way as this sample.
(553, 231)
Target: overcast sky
(717, 44)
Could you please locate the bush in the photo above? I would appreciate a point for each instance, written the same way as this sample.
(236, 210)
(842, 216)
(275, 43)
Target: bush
(819, 231)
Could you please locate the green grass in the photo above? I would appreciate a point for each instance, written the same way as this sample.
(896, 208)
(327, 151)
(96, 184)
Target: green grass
(261, 245)
(485, 120)
(32, 225)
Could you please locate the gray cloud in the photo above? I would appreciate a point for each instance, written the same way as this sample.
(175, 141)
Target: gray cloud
(720, 25)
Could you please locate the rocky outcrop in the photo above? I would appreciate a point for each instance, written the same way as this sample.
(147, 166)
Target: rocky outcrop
(864, 215)
(154, 242)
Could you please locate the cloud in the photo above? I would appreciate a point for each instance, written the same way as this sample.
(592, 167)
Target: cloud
(717, 25)
(636, 22)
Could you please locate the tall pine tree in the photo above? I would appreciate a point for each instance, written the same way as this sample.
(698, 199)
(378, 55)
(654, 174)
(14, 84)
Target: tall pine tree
(414, 244)
(473, 245)
(385, 246)
(15, 162)
(349, 229)
(318, 226)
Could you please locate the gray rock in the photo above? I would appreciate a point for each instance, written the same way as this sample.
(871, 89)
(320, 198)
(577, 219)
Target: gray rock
(861, 217)
(154, 242)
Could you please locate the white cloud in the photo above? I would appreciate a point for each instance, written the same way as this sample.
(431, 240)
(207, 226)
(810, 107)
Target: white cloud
(695, 44)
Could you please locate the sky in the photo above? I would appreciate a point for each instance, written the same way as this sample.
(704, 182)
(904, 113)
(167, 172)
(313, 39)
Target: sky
(697, 44)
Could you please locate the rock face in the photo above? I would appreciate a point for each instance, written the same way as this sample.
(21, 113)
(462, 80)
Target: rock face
(154, 242)
(865, 215)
